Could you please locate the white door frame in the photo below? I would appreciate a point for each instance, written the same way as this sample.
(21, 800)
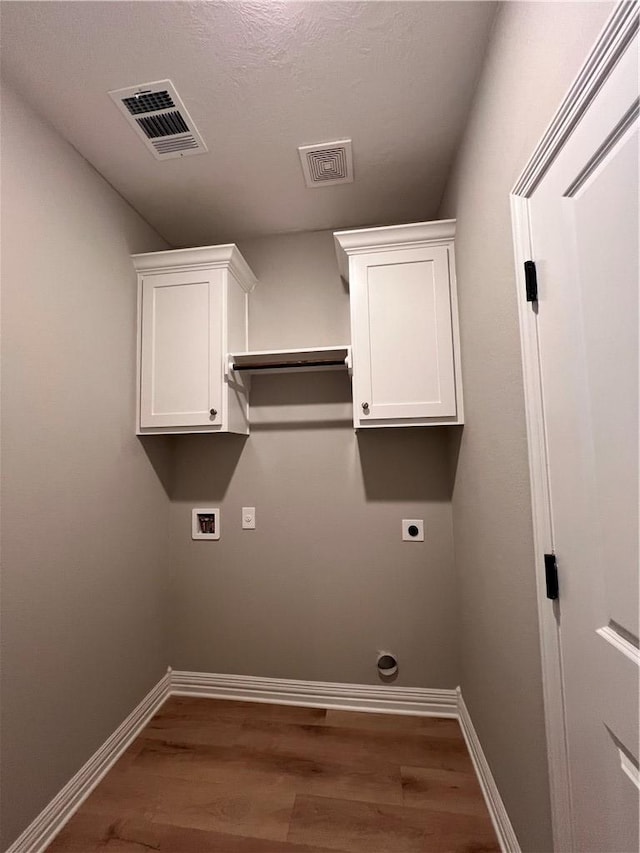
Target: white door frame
(615, 37)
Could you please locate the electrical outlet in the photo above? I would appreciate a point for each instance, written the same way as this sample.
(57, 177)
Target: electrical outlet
(413, 530)
(248, 518)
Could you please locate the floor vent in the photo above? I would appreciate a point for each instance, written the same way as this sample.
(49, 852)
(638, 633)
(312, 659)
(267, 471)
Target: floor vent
(327, 163)
(156, 113)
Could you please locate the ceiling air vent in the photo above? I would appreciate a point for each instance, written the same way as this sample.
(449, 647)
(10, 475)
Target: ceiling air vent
(157, 114)
(327, 163)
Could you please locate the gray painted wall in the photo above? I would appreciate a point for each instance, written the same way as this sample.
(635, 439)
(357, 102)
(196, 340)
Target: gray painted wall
(536, 50)
(83, 512)
(324, 581)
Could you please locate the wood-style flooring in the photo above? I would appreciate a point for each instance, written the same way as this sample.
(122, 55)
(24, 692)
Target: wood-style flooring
(239, 777)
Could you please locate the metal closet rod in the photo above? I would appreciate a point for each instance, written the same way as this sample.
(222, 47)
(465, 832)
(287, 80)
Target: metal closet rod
(275, 365)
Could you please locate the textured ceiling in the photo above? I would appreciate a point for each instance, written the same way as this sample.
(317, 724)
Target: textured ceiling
(259, 79)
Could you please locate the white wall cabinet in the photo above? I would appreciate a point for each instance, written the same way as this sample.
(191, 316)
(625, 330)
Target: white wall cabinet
(192, 310)
(404, 324)
(405, 349)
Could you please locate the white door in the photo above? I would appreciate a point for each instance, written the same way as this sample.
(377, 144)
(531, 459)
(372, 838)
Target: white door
(584, 240)
(402, 334)
(181, 350)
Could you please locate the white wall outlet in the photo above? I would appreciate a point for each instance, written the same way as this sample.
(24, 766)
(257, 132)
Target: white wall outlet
(248, 518)
(205, 523)
(413, 530)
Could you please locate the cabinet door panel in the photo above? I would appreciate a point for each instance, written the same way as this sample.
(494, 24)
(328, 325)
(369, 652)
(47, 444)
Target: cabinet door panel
(403, 346)
(181, 375)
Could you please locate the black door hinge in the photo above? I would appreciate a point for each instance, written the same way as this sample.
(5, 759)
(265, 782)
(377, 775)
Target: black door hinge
(551, 575)
(531, 281)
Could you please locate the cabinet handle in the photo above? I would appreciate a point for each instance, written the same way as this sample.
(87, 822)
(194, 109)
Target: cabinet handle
(365, 408)
(213, 412)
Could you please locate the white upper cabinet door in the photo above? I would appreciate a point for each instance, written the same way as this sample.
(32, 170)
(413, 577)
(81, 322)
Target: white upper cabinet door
(192, 310)
(181, 373)
(404, 324)
(403, 347)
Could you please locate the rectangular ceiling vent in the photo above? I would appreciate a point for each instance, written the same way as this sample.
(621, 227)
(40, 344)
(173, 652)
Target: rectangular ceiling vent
(156, 112)
(327, 163)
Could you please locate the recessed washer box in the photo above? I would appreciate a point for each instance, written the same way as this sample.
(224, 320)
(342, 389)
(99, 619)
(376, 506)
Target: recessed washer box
(205, 523)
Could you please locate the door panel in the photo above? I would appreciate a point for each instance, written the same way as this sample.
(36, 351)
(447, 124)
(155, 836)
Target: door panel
(403, 348)
(584, 232)
(609, 286)
(180, 348)
(181, 369)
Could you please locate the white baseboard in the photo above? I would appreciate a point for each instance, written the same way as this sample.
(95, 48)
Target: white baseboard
(499, 817)
(317, 694)
(41, 832)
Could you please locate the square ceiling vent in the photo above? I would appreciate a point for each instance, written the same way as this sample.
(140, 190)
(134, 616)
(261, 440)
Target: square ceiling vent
(327, 163)
(156, 113)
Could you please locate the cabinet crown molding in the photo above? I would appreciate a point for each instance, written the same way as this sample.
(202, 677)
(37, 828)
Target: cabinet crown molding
(357, 241)
(205, 257)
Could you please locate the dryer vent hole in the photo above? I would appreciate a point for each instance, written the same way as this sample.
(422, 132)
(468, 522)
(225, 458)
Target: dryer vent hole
(387, 664)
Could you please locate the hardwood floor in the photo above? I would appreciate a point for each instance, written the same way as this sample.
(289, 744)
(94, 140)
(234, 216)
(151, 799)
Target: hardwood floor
(239, 777)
